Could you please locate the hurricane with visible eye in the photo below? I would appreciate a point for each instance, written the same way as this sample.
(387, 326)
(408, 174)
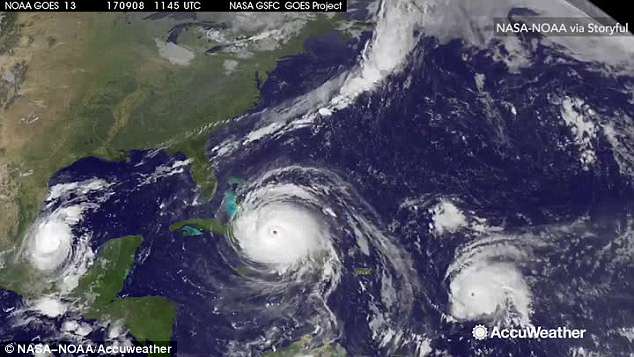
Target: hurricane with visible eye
(425, 178)
(297, 233)
(487, 283)
(279, 232)
(51, 244)
(54, 251)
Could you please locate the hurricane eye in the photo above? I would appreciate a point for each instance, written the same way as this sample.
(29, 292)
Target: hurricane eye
(478, 290)
(275, 227)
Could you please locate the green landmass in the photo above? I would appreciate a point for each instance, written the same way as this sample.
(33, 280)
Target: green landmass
(103, 281)
(98, 87)
(9, 31)
(302, 348)
(202, 224)
(363, 271)
(201, 171)
(148, 318)
(95, 85)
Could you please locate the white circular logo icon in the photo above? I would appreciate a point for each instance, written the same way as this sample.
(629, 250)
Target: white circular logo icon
(9, 348)
(480, 332)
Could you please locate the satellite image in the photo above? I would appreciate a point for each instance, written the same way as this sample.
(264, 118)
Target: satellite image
(402, 178)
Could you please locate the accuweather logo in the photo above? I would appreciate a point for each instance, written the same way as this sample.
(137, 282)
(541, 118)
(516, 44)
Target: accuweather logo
(481, 332)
